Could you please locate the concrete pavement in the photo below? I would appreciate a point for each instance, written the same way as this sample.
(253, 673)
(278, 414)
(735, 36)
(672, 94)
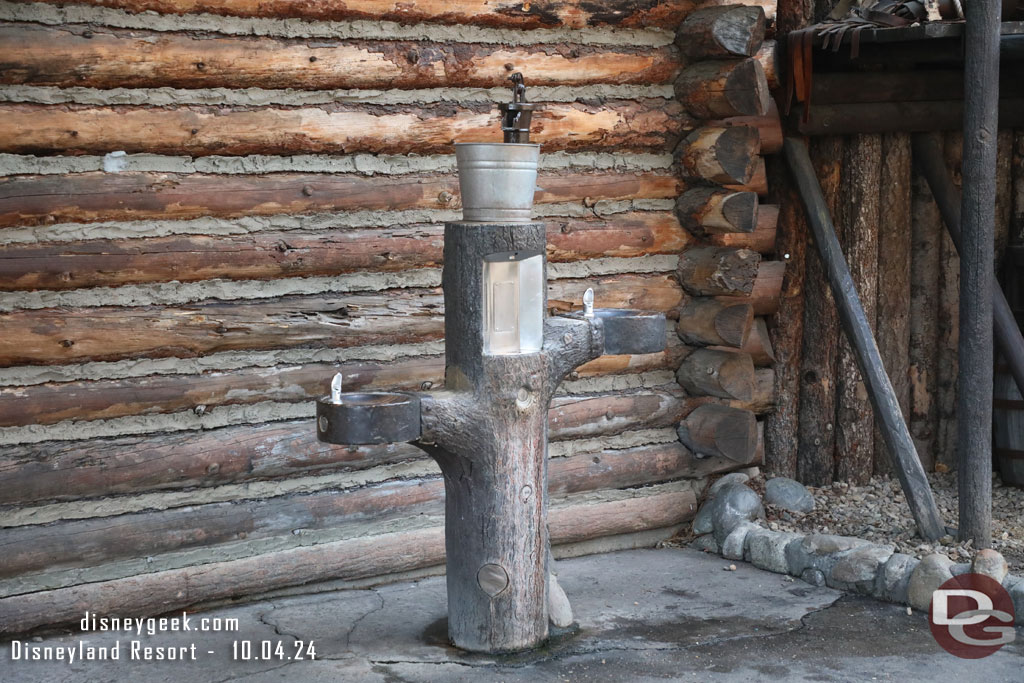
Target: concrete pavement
(644, 615)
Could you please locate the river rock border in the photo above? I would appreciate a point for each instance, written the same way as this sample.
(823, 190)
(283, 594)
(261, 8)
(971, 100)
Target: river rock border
(729, 524)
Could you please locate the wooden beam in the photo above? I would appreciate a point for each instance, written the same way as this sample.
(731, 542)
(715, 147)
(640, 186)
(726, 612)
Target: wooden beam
(717, 373)
(51, 336)
(974, 398)
(710, 271)
(190, 258)
(90, 197)
(720, 89)
(723, 31)
(96, 540)
(93, 57)
(898, 117)
(761, 240)
(500, 13)
(769, 128)
(160, 592)
(718, 154)
(719, 430)
(334, 129)
(901, 446)
(714, 210)
(708, 322)
(68, 470)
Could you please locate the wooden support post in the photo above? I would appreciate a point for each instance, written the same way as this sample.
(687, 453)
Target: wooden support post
(897, 437)
(974, 401)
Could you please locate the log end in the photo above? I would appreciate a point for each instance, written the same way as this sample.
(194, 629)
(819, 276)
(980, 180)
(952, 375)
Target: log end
(733, 324)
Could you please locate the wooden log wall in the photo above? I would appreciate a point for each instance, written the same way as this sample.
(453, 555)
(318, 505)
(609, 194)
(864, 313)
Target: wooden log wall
(207, 210)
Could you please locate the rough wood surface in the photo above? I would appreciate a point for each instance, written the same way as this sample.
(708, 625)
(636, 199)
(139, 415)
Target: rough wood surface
(50, 336)
(503, 13)
(720, 89)
(724, 155)
(949, 327)
(1017, 213)
(710, 271)
(769, 127)
(708, 322)
(894, 268)
(716, 429)
(855, 446)
(766, 293)
(718, 373)
(818, 371)
(758, 345)
(715, 211)
(68, 470)
(334, 129)
(761, 240)
(91, 541)
(758, 180)
(927, 233)
(93, 57)
(89, 197)
(722, 31)
(160, 592)
(189, 258)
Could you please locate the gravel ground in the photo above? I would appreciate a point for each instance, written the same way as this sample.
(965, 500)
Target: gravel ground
(878, 512)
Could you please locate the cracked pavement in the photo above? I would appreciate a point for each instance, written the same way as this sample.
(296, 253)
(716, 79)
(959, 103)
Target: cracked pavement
(644, 615)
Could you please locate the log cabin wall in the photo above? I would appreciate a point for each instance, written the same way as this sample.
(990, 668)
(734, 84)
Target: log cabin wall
(206, 210)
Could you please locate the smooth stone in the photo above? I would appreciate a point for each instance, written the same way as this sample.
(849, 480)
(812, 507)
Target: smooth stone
(732, 546)
(960, 568)
(702, 521)
(813, 576)
(731, 478)
(894, 578)
(733, 504)
(1017, 594)
(788, 494)
(858, 568)
(933, 571)
(559, 609)
(768, 550)
(819, 551)
(990, 563)
(706, 542)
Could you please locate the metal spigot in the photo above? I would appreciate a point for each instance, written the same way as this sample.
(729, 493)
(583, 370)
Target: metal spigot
(336, 389)
(588, 303)
(516, 115)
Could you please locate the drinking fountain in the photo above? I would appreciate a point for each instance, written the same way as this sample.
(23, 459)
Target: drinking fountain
(504, 358)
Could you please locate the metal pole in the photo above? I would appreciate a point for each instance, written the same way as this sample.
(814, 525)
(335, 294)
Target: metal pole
(974, 397)
(855, 324)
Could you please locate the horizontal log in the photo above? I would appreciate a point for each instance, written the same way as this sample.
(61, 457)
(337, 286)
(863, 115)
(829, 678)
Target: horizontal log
(720, 89)
(161, 592)
(190, 258)
(500, 13)
(761, 240)
(758, 345)
(48, 336)
(89, 197)
(718, 373)
(768, 56)
(91, 541)
(87, 56)
(758, 180)
(900, 86)
(69, 470)
(722, 31)
(334, 129)
(156, 394)
(708, 210)
(709, 322)
(762, 401)
(720, 154)
(711, 271)
(769, 127)
(767, 289)
(898, 117)
(719, 430)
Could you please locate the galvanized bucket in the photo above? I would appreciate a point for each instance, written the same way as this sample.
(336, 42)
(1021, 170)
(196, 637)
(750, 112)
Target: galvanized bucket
(497, 180)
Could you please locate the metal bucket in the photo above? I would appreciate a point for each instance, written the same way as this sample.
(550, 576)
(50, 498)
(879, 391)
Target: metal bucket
(497, 181)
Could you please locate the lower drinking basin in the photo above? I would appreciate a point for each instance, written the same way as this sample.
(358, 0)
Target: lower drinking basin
(368, 418)
(630, 331)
